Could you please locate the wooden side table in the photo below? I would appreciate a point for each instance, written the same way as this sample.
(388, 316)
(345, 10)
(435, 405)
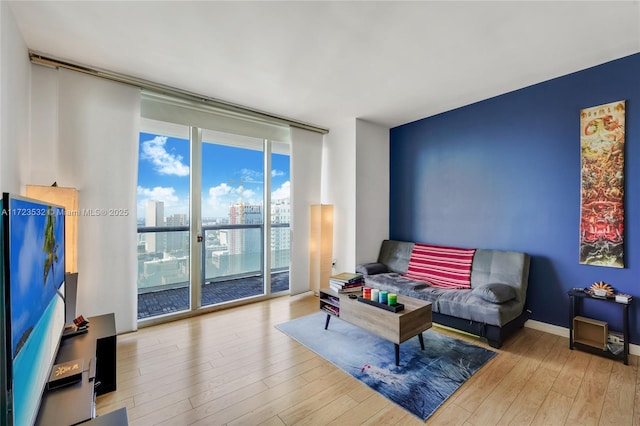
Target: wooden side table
(575, 299)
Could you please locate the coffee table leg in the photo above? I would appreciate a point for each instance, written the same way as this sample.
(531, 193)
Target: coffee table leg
(397, 354)
(421, 341)
(326, 324)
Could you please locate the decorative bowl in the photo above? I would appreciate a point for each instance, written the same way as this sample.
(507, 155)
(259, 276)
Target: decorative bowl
(601, 289)
(600, 292)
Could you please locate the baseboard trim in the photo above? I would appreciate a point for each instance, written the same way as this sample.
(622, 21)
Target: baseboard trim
(564, 332)
(303, 295)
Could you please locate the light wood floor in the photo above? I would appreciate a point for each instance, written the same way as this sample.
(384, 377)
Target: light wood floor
(233, 367)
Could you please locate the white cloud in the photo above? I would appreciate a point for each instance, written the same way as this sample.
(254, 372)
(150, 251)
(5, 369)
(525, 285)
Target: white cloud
(163, 162)
(222, 196)
(160, 193)
(247, 195)
(275, 173)
(172, 202)
(250, 176)
(282, 193)
(220, 190)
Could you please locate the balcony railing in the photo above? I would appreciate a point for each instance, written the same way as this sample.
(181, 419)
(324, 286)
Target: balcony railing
(230, 253)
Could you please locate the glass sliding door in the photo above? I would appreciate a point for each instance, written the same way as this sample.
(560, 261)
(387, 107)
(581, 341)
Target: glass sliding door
(280, 201)
(163, 219)
(232, 217)
(204, 235)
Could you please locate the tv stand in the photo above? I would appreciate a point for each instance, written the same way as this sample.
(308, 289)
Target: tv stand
(75, 403)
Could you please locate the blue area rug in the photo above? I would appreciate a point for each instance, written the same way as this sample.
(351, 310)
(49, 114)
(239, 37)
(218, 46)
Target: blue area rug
(422, 382)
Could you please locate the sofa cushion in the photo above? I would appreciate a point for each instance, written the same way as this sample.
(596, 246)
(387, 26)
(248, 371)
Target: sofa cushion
(395, 254)
(505, 267)
(466, 305)
(372, 268)
(495, 293)
(444, 267)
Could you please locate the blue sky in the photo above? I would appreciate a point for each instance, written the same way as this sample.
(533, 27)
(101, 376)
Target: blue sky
(228, 176)
(29, 294)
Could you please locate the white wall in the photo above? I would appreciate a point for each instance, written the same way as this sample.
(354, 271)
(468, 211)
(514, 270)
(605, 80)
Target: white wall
(14, 104)
(372, 189)
(339, 188)
(44, 128)
(355, 179)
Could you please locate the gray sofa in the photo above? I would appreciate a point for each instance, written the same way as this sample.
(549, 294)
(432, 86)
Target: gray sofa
(494, 307)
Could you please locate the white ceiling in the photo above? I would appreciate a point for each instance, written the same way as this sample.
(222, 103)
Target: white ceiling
(326, 62)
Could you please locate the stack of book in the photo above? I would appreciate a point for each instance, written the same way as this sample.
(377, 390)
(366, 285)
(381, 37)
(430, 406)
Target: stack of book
(346, 282)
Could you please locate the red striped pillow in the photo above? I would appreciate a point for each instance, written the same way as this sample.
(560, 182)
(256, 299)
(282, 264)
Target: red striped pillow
(444, 267)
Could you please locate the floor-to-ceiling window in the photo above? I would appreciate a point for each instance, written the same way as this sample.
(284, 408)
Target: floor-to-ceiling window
(280, 202)
(163, 219)
(232, 216)
(242, 249)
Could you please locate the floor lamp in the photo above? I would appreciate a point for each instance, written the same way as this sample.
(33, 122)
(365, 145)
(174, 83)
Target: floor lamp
(320, 246)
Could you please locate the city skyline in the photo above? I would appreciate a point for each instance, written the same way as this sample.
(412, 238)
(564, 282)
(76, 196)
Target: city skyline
(229, 175)
(163, 257)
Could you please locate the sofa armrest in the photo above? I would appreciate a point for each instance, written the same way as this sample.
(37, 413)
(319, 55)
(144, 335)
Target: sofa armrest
(372, 268)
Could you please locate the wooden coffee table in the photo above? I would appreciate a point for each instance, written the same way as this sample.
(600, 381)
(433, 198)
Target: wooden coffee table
(395, 327)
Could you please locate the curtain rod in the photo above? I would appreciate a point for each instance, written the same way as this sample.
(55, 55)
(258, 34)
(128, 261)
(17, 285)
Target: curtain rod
(49, 61)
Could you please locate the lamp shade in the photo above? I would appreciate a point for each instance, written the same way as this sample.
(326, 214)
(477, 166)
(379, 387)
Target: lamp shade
(67, 198)
(320, 246)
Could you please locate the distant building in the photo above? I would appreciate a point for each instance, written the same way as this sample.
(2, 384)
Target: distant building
(178, 241)
(156, 242)
(280, 236)
(163, 272)
(245, 245)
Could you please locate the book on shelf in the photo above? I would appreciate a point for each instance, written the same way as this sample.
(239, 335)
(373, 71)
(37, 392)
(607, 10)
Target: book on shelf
(331, 309)
(333, 299)
(347, 289)
(345, 285)
(347, 277)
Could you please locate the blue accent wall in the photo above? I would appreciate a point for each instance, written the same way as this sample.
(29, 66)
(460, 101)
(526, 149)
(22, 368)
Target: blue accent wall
(504, 173)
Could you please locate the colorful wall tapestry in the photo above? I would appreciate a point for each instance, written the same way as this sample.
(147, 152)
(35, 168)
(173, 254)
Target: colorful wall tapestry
(602, 185)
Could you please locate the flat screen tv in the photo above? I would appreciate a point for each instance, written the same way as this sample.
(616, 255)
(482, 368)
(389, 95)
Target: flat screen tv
(33, 264)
